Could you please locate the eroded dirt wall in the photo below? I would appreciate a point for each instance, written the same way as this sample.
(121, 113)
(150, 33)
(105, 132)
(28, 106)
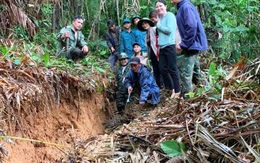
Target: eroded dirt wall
(61, 124)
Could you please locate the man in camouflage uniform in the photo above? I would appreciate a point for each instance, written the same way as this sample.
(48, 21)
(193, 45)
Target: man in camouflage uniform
(188, 65)
(193, 40)
(121, 91)
(71, 41)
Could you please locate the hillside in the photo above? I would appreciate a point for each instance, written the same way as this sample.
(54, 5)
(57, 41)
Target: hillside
(53, 111)
(44, 110)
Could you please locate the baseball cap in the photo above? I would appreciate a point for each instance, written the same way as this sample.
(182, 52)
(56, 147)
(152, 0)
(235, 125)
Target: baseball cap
(110, 22)
(135, 43)
(134, 60)
(126, 20)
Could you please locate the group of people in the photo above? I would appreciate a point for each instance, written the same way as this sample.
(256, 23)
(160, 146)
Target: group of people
(123, 40)
(170, 42)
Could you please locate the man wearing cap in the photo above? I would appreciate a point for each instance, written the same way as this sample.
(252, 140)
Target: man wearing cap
(127, 38)
(121, 91)
(112, 39)
(72, 44)
(139, 35)
(141, 78)
(138, 53)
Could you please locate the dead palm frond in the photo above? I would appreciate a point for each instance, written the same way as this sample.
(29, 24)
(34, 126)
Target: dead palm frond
(215, 145)
(21, 17)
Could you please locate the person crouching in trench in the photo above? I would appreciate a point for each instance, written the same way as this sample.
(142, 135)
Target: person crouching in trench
(141, 78)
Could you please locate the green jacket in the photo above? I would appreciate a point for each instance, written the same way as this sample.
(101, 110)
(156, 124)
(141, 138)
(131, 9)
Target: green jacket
(121, 91)
(73, 42)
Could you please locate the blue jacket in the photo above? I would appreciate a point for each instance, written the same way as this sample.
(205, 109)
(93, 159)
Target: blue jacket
(140, 38)
(146, 82)
(126, 41)
(190, 27)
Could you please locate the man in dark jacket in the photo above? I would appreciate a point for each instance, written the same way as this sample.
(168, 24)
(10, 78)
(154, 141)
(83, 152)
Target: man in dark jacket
(193, 41)
(140, 77)
(112, 38)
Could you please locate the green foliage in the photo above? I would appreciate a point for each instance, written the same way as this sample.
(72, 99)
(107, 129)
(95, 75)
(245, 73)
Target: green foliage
(215, 74)
(232, 26)
(20, 33)
(44, 36)
(238, 21)
(4, 50)
(145, 10)
(90, 64)
(100, 48)
(173, 148)
(47, 10)
(47, 41)
(191, 94)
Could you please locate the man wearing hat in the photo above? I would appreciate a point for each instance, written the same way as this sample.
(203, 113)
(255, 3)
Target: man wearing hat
(127, 38)
(141, 78)
(121, 91)
(139, 35)
(112, 39)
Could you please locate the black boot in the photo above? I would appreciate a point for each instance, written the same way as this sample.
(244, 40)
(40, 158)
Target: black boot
(120, 109)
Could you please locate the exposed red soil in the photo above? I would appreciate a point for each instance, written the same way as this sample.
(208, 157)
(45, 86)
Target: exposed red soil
(60, 125)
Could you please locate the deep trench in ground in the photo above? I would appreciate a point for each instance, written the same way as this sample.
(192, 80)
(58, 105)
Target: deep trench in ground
(58, 128)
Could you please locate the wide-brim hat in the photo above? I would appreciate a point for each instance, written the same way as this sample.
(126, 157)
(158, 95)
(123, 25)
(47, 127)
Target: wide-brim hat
(139, 24)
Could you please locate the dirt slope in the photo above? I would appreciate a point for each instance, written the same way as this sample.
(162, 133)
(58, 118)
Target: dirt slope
(59, 125)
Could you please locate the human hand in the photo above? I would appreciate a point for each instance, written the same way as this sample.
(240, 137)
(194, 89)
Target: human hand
(130, 89)
(112, 49)
(85, 49)
(179, 49)
(66, 34)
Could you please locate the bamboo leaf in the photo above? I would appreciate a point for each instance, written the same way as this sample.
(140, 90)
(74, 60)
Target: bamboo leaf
(100, 69)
